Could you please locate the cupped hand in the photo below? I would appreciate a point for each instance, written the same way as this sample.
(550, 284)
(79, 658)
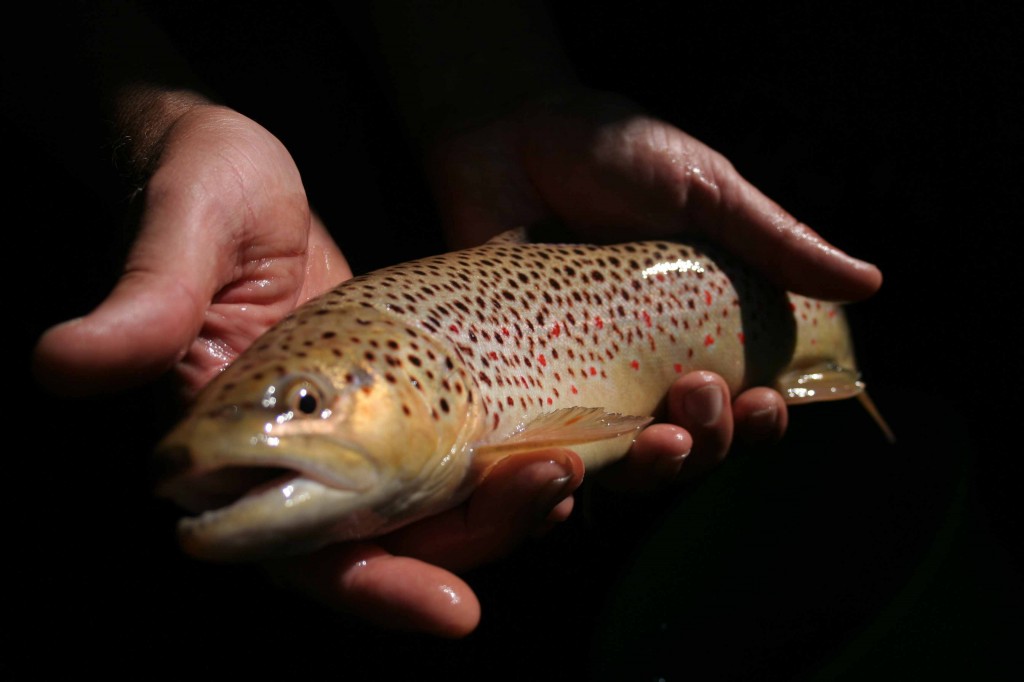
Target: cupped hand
(227, 245)
(409, 579)
(604, 168)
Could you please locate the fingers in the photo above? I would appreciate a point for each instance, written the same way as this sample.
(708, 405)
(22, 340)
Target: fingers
(761, 416)
(135, 335)
(696, 437)
(522, 495)
(699, 403)
(627, 170)
(386, 585)
(699, 433)
(654, 460)
(746, 222)
(394, 592)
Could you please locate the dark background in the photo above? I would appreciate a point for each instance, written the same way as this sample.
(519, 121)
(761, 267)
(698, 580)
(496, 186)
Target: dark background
(894, 132)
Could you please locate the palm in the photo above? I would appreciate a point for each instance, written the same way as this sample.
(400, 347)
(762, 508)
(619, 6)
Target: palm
(226, 248)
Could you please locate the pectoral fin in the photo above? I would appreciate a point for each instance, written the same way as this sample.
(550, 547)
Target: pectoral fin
(560, 428)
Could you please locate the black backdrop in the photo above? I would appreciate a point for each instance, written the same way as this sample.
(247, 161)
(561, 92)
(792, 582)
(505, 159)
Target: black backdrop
(896, 132)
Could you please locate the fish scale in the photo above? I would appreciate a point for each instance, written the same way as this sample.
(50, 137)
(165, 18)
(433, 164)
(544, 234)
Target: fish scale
(380, 402)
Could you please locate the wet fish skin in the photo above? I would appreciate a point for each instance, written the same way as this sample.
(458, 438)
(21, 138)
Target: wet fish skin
(381, 401)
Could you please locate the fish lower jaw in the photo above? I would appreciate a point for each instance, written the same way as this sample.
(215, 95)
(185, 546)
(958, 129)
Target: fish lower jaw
(207, 493)
(288, 515)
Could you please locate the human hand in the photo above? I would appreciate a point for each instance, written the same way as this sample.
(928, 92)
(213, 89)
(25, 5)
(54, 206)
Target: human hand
(408, 579)
(227, 246)
(605, 169)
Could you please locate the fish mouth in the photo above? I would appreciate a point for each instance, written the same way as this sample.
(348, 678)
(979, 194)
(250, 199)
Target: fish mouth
(251, 507)
(201, 493)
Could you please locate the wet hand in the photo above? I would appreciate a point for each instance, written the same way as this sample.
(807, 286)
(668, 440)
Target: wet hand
(227, 245)
(409, 580)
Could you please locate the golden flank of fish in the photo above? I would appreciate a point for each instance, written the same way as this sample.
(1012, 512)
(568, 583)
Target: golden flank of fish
(380, 402)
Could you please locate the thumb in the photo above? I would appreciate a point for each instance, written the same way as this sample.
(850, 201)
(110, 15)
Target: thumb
(139, 332)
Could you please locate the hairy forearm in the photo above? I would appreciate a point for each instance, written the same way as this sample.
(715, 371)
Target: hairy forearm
(142, 116)
(454, 64)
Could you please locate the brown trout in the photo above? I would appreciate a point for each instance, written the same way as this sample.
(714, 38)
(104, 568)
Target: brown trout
(379, 402)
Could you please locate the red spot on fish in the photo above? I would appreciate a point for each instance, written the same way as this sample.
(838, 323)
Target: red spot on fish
(599, 322)
(593, 371)
(556, 330)
(505, 331)
(708, 340)
(542, 360)
(678, 368)
(660, 277)
(743, 338)
(550, 401)
(832, 313)
(634, 364)
(574, 390)
(792, 306)
(453, 329)
(493, 355)
(707, 297)
(647, 318)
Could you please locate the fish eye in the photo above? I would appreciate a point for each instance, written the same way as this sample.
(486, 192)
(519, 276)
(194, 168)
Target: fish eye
(302, 396)
(307, 402)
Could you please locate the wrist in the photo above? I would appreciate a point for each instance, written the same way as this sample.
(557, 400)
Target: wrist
(142, 117)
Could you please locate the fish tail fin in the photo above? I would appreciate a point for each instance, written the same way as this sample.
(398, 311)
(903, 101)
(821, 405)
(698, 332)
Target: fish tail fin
(818, 382)
(869, 405)
(829, 381)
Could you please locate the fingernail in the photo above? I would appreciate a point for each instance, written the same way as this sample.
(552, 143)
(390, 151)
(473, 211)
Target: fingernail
(761, 424)
(558, 486)
(704, 405)
(669, 465)
(764, 419)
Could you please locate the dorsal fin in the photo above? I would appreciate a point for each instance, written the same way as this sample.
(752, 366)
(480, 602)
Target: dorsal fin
(517, 235)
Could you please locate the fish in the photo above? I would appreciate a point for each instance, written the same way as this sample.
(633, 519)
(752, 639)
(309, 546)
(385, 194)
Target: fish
(383, 401)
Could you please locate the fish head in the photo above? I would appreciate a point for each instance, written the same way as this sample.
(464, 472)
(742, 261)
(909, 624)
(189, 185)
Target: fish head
(318, 434)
